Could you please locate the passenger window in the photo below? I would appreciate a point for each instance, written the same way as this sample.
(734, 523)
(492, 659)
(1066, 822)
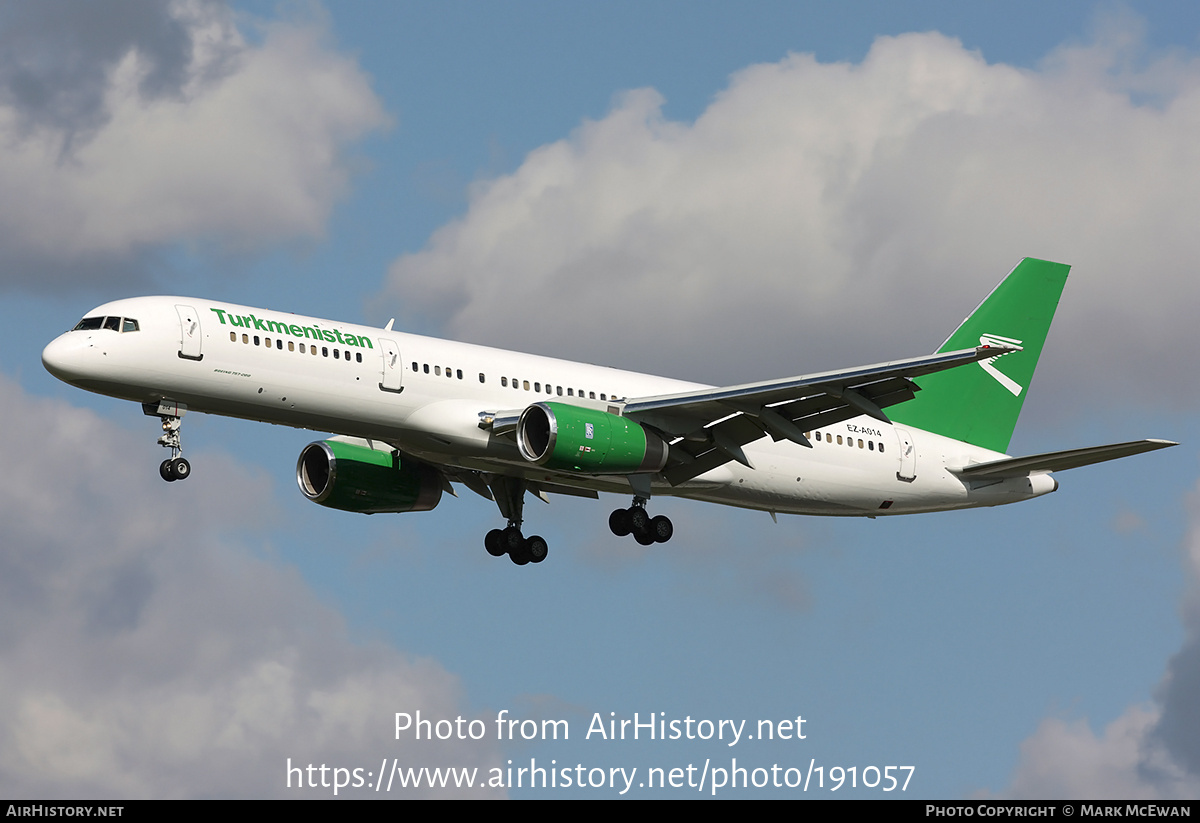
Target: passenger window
(324, 351)
(358, 356)
(458, 374)
(860, 443)
(425, 368)
(246, 339)
(415, 366)
(483, 379)
(256, 340)
(437, 370)
(526, 384)
(871, 445)
(291, 346)
(592, 395)
(571, 393)
(503, 382)
(881, 448)
(233, 337)
(302, 351)
(537, 386)
(839, 440)
(559, 390)
(449, 373)
(279, 343)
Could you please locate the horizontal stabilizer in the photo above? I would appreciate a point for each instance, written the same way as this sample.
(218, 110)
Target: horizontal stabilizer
(1058, 461)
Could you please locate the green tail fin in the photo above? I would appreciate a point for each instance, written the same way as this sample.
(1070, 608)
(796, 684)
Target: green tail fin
(979, 403)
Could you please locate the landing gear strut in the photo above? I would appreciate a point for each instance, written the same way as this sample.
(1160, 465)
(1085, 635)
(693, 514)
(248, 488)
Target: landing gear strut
(174, 467)
(509, 493)
(635, 520)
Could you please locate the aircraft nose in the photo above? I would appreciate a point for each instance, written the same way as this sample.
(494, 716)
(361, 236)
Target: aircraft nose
(61, 357)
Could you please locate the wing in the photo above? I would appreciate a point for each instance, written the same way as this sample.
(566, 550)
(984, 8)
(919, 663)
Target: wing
(1058, 461)
(707, 428)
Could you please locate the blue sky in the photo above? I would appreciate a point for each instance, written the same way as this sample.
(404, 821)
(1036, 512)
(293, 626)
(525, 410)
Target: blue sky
(731, 194)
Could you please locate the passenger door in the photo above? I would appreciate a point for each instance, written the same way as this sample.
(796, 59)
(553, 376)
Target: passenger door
(393, 369)
(190, 335)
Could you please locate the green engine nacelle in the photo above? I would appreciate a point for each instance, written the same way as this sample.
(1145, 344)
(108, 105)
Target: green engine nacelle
(358, 478)
(570, 438)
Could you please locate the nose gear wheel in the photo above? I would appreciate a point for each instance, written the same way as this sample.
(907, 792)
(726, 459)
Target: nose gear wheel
(175, 467)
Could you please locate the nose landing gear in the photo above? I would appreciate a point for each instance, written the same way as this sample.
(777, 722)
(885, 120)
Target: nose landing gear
(174, 467)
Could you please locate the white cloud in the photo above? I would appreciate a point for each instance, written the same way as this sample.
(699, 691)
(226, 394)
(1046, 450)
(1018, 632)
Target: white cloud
(145, 653)
(1149, 751)
(1066, 760)
(247, 149)
(821, 215)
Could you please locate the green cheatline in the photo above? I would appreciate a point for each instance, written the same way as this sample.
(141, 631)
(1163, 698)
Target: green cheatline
(980, 403)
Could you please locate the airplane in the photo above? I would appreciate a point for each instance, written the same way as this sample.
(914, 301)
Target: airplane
(412, 415)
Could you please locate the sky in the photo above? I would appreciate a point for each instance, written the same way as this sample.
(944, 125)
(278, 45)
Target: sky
(716, 192)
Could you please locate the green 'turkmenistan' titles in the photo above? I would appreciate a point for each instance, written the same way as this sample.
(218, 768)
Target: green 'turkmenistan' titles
(249, 321)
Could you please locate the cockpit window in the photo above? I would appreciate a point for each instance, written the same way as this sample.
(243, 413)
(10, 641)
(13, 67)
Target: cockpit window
(117, 324)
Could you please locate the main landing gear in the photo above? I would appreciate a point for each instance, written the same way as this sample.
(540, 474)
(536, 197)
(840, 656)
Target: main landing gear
(174, 467)
(520, 549)
(509, 493)
(635, 520)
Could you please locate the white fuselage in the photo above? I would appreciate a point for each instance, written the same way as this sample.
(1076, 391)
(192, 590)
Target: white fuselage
(425, 397)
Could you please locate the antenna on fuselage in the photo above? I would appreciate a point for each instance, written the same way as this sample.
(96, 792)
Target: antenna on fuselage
(388, 327)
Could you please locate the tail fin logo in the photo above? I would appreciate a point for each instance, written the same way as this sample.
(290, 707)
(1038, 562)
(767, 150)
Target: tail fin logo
(988, 365)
